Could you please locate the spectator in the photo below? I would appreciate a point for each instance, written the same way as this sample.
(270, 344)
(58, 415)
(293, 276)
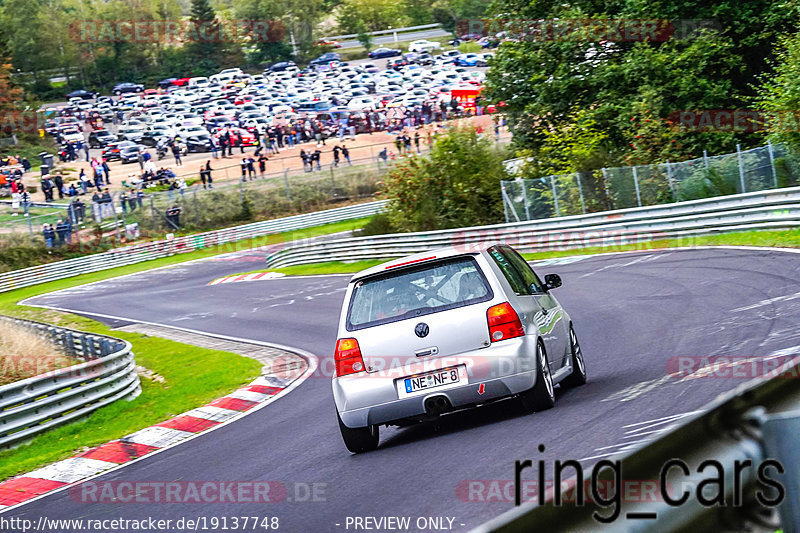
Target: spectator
(315, 157)
(86, 150)
(49, 235)
(251, 168)
(208, 174)
(346, 154)
(62, 231)
(214, 147)
(336, 150)
(262, 165)
(306, 162)
(243, 164)
(96, 210)
(58, 181)
(176, 151)
(107, 204)
(416, 140)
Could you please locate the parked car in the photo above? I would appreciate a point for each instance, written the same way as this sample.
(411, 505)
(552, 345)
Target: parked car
(130, 154)
(423, 45)
(467, 60)
(281, 66)
(327, 42)
(101, 138)
(447, 330)
(327, 57)
(380, 53)
(198, 144)
(83, 94)
(127, 87)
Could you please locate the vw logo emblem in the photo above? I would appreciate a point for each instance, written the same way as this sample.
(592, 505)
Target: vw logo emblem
(421, 329)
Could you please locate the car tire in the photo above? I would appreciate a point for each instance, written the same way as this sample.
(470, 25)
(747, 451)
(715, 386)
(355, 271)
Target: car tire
(359, 440)
(542, 395)
(578, 375)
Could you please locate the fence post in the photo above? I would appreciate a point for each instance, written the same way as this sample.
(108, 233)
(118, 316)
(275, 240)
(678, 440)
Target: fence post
(503, 194)
(636, 184)
(669, 179)
(26, 205)
(607, 187)
(580, 191)
(741, 168)
(705, 158)
(507, 200)
(153, 210)
(555, 195)
(772, 164)
(521, 183)
(286, 180)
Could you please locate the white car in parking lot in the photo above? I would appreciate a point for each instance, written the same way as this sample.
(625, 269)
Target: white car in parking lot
(423, 45)
(447, 330)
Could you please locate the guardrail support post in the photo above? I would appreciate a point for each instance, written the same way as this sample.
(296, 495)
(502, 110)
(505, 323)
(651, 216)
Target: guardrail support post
(636, 184)
(781, 434)
(741, 167)
(772, 164)
(705, 158)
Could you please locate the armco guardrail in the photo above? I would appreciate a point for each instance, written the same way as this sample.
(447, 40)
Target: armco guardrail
(33, 405)
(153, 250)
(773, 209)
(754, 425)
(386, 32)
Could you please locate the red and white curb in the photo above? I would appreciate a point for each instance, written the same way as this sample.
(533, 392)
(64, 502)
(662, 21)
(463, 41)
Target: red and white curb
(255, 276)
(116, 454)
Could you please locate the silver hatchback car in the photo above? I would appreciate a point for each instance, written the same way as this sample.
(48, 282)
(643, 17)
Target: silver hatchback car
(447, 330)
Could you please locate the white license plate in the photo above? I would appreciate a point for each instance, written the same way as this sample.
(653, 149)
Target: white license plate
(445, 377)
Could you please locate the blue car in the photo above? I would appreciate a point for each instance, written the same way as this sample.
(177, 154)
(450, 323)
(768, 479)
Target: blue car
(379, 53)
(127, 87)
(467, 60)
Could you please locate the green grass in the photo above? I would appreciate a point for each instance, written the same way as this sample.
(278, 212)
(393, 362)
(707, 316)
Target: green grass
(781, 239)
(193, 376)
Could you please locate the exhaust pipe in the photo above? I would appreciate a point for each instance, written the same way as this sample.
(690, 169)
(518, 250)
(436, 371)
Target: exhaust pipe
(436, 405)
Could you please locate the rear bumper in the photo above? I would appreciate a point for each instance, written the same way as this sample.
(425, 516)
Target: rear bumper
(504, 369)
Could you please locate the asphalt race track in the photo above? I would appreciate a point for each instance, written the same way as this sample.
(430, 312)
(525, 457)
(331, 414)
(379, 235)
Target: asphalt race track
(632, 313)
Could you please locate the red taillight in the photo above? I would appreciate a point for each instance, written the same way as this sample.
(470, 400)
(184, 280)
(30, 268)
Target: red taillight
(348, 357)
(504, 322)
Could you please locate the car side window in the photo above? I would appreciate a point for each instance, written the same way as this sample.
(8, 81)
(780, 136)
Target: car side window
(510, 272)
(532, 281)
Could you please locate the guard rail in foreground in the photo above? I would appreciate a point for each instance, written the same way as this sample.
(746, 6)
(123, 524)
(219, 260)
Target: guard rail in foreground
(33, 405)
(153, 250)
(757, 426)
(773, 209)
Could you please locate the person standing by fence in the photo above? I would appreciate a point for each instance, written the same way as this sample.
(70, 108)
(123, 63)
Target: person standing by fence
(262, 165)
(346, 154)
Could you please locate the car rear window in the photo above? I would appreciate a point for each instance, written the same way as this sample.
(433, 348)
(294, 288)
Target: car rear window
(431, 288)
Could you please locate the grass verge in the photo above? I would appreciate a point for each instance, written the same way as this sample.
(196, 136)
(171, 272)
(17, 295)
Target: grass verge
(187, 376)
(781, 239)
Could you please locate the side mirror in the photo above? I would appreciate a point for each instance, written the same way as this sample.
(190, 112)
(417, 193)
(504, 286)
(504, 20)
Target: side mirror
(552, 281)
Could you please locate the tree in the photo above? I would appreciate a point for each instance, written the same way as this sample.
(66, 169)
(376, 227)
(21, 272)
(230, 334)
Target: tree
(779, 94)
(206, 50)
(372, 15)
(365, 38)
(545, 76)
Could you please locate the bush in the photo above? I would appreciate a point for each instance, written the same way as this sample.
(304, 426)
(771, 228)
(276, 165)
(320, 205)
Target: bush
(457, 185)
(378, 225)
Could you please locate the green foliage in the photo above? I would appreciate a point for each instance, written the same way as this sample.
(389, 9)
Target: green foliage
(469, 47)
(379, 224)
(356, 16)
(622, 84)
(456, 185)
(779, 94)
